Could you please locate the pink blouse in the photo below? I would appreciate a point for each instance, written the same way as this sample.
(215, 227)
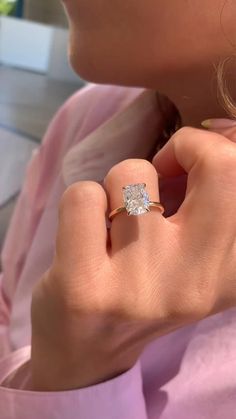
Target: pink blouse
(188, 374)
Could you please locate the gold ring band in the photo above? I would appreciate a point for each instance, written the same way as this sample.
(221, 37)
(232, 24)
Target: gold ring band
(154, 204)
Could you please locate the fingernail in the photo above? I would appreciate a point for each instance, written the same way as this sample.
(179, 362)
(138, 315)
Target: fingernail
(218, 123)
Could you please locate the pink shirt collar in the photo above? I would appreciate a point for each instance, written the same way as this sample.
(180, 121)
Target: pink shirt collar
(130, 133)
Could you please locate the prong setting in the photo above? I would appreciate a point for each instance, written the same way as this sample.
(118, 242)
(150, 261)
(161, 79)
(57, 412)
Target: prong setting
(136, 199)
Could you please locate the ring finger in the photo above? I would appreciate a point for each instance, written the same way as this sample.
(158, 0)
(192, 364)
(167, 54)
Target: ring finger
(126, 230)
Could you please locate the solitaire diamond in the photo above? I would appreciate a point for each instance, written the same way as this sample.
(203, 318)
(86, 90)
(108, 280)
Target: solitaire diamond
(136, 199)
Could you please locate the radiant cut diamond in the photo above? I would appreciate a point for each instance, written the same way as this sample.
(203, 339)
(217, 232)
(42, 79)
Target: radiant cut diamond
(136, 199)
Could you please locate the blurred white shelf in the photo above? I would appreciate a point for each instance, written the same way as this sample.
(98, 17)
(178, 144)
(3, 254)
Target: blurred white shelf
(36, 47)
(25, 44)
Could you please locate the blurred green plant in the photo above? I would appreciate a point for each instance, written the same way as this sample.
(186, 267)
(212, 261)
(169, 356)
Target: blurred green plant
(7, 7)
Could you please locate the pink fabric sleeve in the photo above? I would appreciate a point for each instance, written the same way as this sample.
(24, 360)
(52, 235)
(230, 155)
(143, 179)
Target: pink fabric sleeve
(119, 398)
(4, 322)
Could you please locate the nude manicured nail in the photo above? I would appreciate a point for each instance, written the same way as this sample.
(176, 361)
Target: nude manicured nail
(218, 123)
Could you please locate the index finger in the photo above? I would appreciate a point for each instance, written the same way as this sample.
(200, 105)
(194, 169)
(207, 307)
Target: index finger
(209, 159)
(184, 149)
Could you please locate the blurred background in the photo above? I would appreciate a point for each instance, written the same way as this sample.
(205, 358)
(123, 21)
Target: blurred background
(35, 79)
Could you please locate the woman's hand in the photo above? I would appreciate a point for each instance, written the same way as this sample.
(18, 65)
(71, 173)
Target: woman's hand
(107, 295)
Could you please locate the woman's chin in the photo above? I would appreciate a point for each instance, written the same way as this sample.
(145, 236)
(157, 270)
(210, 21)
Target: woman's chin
(100, 71)
(83, 67)
(88, 68)
(97, 62)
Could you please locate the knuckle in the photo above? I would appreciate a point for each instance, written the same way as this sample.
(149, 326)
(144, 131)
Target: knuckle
(82, 193)
(183, 131)
(129, 166)
(181, 134)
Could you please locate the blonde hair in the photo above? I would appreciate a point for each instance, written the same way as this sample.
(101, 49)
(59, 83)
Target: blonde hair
(223, 92)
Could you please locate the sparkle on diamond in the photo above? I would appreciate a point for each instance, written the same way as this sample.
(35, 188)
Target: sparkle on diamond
(136, 199)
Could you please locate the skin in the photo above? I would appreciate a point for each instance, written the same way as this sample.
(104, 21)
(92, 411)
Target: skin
(100, 304)
(175, 47)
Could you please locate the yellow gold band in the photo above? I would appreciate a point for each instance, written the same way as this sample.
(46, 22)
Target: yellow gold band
(123, 209)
